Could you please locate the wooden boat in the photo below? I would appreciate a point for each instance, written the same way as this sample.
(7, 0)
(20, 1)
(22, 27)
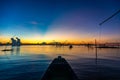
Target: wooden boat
(7, 50)
(59, 69)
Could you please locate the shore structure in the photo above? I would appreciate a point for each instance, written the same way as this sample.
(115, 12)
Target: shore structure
(16, 42)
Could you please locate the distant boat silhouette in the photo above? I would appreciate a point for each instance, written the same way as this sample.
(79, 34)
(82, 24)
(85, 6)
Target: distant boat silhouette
(59, 69)
(7, 50)
(70, 46)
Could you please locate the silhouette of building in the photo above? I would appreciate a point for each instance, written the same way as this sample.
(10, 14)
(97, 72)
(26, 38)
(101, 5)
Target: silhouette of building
(13, 42)
(18, 42)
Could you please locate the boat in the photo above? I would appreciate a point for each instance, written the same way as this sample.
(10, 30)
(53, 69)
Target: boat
(7, 50)
(70, 46)
(59, 69)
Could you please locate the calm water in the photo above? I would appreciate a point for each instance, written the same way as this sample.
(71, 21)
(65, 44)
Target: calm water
(30, 62)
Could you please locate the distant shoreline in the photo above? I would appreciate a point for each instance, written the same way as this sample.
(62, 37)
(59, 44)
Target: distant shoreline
(88, 45)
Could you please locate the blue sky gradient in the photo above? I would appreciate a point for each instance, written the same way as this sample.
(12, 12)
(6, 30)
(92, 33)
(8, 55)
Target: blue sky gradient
(53, 19)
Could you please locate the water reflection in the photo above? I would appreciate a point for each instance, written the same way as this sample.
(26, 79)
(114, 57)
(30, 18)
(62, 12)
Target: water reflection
(18, 50)
(15, 51)
(76, 52)
(96, 55)
(86, 62)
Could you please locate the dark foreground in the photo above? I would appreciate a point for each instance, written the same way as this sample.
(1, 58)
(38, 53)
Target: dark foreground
(32, 62)
(59, 69)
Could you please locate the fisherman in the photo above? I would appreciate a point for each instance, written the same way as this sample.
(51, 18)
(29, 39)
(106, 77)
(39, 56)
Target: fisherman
(18, 43)
(13, 42)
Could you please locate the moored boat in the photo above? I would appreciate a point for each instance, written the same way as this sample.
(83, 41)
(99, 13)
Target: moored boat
(7, 50)
(70, 46)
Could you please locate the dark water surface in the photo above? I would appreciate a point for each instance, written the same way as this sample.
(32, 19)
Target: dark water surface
(30, 62)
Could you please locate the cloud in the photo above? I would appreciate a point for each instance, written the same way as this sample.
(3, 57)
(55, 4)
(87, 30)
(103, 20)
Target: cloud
(34, 22)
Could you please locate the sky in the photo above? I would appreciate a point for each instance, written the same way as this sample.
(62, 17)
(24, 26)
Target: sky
(59, 20)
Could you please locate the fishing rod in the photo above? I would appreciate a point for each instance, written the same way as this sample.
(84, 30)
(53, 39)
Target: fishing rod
(109, 17)
(108, 20)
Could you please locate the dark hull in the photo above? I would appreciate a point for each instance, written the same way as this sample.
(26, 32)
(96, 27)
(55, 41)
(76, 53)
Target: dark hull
(7, 50)
(59, 69)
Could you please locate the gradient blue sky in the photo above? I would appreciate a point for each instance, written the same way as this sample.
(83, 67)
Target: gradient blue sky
(45, 20)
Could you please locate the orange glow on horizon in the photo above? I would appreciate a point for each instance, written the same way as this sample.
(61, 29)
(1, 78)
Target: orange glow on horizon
(57, 38)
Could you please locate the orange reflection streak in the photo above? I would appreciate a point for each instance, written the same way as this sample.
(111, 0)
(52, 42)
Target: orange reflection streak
(77, 52)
